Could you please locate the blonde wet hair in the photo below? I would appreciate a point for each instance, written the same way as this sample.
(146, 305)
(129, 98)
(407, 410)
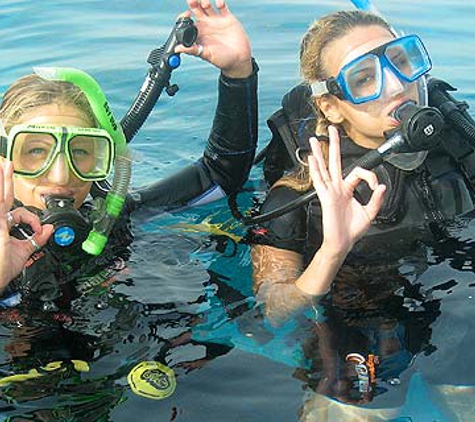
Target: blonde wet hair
(313, 48)
(32, 91)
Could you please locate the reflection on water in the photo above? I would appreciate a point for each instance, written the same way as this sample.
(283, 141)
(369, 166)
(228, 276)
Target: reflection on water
(186, 303)
(200, 319)
(73, 363)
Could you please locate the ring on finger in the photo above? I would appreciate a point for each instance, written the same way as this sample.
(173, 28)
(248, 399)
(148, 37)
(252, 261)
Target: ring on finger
(200, 50)
(33, 243)
(10, 220)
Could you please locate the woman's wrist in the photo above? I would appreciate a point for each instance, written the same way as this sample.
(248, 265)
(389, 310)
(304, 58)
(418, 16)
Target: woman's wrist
(317, 279)
(333, 252)
(239, 70)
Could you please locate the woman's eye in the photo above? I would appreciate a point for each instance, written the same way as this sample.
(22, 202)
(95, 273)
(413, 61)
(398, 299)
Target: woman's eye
(37, 151)
(401, 62)
(364, 80)
(80, 152)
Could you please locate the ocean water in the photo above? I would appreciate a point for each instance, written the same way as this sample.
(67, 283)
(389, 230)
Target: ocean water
(177, 268)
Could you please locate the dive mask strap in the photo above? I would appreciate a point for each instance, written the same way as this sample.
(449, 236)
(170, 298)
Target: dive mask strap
(328, 86)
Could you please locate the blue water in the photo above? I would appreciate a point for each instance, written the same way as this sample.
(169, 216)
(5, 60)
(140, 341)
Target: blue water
(173, 269)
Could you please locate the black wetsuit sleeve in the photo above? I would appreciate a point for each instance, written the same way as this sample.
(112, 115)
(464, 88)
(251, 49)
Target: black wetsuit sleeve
(227, 159)
(285, 232)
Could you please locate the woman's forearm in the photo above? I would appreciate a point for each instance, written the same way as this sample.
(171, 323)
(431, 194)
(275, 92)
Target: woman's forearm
(232, 142)
(227, 159)
(281, 284)
(320, 273)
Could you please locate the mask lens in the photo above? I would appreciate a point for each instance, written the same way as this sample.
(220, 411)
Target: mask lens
(408, 58)
(90, 156)
(32, 152)
(362, 78)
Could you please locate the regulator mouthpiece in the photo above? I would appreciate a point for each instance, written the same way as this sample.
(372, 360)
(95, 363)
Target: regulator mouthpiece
(70, 226)
(420, 127)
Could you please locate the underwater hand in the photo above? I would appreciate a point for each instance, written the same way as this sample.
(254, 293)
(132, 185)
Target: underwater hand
(345, 220)
(14, 253)
(222, 40)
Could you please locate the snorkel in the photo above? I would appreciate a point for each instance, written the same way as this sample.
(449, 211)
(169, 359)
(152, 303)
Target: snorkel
(163, 61)
(366, 6)
(106, 211)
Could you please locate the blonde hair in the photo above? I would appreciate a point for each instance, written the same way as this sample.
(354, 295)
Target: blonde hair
(32, 91)
(316, 41)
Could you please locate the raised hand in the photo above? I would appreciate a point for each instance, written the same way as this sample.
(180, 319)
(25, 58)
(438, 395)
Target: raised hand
(345, 220)
(222, 40)
(14, 253)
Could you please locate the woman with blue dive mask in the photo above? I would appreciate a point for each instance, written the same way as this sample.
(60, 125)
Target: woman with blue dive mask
(342, 256)
(61, 138)
(372, 80)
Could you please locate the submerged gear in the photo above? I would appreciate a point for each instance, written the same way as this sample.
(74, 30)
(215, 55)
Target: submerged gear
(152, 380)
(54, 272)
(34, 148)
(362, 79)
(112, 207)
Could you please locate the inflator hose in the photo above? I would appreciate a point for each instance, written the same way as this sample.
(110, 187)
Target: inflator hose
(368, 161)
(441, 99)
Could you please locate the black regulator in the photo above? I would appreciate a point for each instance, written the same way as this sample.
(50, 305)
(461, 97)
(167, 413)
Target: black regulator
(71, 228)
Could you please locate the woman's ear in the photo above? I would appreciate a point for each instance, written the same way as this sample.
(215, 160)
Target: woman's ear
(328, 105)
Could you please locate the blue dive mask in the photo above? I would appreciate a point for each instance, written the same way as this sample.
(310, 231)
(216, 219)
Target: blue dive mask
(362, 79)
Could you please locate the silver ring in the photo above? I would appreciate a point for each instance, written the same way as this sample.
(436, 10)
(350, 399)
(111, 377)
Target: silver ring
(200, 50)
(33, 242)
(10, 220)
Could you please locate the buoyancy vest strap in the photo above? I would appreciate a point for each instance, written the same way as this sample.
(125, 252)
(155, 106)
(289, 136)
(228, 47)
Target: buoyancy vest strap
(280, 126)
(463, 153)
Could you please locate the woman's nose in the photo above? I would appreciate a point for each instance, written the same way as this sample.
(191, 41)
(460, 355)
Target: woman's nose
(393, 86)
(59, 171)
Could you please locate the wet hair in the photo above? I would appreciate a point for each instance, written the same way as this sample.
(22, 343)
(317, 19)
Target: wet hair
(33, 91)
(318, 39)
(315, 43)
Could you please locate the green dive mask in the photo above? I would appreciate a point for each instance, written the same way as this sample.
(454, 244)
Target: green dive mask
(106, 211)
(33, 149)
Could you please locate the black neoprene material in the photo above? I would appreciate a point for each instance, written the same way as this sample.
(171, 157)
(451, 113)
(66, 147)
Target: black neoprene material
(228, 156)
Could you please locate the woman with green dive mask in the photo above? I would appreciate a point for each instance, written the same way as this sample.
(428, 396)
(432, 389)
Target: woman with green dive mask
(59, 144)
